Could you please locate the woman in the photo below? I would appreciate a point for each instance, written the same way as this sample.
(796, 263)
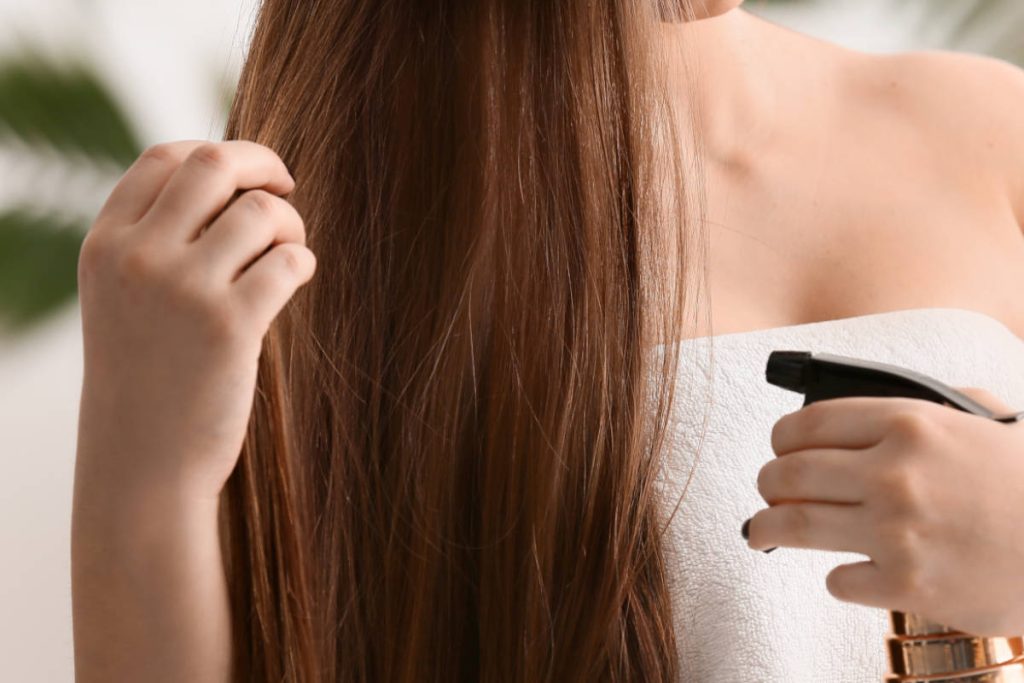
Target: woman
(438, 462)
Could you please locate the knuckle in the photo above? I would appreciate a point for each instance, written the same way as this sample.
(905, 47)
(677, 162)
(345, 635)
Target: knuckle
(784, 425)
(245, 231)
(891, 532)
(93, 252)
(210, 156)
(139, 263)
(902, 540)
(161, 153)
(898, 485)
(808, 421)
(910, 579)
(296, 218)
(260, 201)
(911, 426)
(290, 260)
(893, 480)
(812, 415)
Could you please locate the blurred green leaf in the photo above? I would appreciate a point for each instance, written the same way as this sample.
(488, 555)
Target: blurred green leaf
(38, 264)
(64, 106)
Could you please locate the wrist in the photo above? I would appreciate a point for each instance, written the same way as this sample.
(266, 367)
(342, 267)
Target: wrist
(135, 511)
(108, 473)
(148, 585)
(123, 455)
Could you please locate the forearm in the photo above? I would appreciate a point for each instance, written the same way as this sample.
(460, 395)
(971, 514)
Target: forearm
(149, 594)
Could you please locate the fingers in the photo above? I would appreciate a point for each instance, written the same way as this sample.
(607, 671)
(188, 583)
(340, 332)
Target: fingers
(138, 188)
(179, 218)
(203, 184)
(986, 398)
(266, 286)
(846, 422)
(825, 526)
(826, 475)
(255, 221)
(859, 582)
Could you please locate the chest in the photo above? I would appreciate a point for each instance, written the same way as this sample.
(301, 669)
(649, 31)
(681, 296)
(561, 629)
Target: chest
(806, 252)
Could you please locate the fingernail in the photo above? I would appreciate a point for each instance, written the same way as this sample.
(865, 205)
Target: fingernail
(745, 530)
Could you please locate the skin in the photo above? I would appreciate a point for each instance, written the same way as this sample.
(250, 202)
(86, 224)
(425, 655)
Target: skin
(704, 9)
(930, 494)
(173, 321)
(793, 118)
(842, 184)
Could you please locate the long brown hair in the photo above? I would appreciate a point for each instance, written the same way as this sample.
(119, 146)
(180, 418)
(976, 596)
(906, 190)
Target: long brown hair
(450, 472)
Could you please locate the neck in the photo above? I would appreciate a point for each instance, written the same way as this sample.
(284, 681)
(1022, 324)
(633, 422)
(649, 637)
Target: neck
(716, 63)
(704, 9)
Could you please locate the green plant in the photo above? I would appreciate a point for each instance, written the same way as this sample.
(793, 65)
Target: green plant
(66, 110)
(38, 262)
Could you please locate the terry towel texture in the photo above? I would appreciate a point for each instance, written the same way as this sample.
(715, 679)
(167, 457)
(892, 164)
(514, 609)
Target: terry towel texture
(743, 616)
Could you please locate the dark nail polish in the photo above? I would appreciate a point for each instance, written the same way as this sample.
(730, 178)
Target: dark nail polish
(745, 530)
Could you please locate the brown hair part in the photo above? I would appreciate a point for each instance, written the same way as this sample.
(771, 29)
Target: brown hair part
(450, 472)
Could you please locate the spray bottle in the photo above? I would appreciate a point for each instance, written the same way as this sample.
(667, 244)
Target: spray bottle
(919, 650)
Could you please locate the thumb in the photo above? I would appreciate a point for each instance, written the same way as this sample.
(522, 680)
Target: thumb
(986, 398)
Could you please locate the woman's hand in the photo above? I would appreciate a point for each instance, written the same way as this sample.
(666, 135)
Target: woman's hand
(177, 290)
(178, 285)
(933, 495)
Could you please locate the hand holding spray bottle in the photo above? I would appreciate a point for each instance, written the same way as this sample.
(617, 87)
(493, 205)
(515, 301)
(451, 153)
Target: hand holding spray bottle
(919, 650)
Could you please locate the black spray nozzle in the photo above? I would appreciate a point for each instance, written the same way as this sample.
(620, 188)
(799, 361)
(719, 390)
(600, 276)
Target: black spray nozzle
(821, 376)
(786, 369)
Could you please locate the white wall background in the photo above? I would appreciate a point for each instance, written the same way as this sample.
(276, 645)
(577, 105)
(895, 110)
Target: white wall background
(164, 60)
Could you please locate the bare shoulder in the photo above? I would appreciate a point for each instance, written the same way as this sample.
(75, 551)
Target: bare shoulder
(966, 89)
(968, 106)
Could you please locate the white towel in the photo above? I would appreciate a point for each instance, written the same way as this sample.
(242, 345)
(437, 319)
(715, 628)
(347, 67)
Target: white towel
(746, 616)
